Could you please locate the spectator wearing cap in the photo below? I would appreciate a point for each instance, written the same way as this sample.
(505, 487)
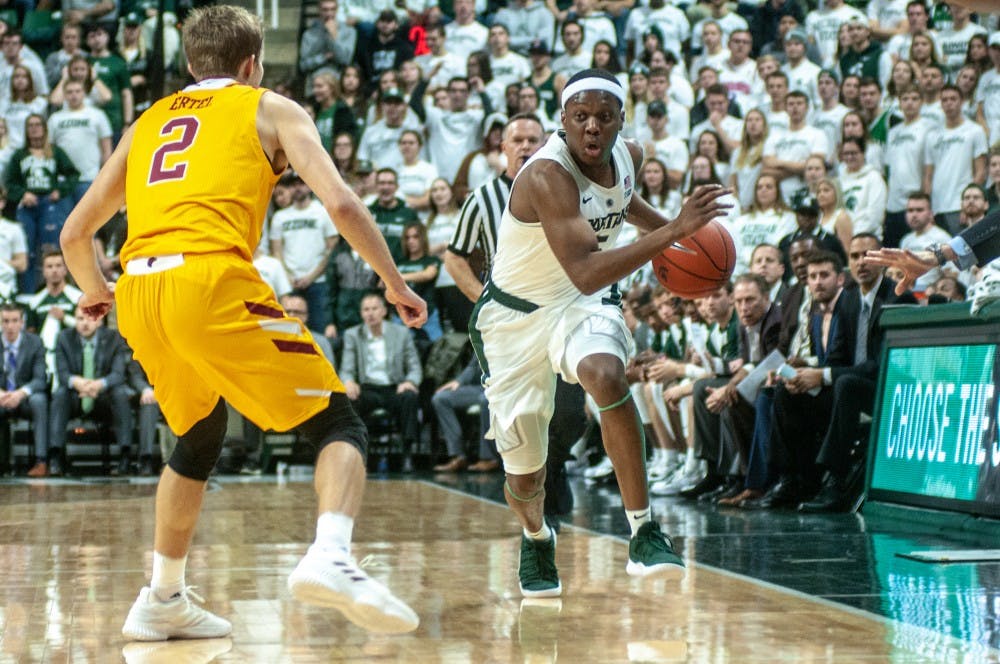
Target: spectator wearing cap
(544, 79)
(572, 58)
(776, 48)
(132, 47)
(440, 65)
(387, 49)
(364, 183)
(507, 66)
(70, 38)
(865, 58)
(111, 69)
(988, 93)
(802, 74)
(465, 35)
(527, 21)
(823, 27)
(379, 142)
(806, 209)
(328, 43)
(657, 142)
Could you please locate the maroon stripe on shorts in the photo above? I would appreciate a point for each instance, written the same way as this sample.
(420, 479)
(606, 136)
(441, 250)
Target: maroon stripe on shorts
(295, 347)
(264, 310)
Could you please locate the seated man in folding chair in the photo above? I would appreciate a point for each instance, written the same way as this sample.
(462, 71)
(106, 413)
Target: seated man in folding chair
(25, 387)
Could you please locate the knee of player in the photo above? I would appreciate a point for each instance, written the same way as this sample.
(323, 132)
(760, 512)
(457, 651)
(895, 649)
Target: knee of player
(527, 485)
(603, 375)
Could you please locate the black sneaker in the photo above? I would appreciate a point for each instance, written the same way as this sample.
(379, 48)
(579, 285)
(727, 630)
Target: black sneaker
(651, 553)
(537, 572)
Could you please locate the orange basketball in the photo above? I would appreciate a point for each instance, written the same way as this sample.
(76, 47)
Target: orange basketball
(699, 264)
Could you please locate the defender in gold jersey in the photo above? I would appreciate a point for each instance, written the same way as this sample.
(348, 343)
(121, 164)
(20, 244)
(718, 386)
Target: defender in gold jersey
(196, 173)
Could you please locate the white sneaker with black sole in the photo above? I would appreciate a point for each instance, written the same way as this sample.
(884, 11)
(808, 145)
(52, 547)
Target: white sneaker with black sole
(151, 619)
(333, 579)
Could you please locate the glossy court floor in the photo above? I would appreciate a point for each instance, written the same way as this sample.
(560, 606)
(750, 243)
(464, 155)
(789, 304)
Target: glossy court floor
(761, 587)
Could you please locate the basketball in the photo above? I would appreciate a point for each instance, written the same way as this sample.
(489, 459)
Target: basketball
(699, 264)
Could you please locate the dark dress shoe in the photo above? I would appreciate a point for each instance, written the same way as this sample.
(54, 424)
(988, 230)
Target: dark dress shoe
(454, 465)
(727, 488)
(833, 497)
(710, 483)
(146, 467)
(55, 466)
(737, 500)
(124, 466)
(786, 493)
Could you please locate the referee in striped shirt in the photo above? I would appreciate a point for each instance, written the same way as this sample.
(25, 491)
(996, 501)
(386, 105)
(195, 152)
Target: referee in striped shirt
(477, 229)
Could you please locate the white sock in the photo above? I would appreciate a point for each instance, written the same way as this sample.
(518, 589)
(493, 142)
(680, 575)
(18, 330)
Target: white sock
(636, 518)
(542, 535)
(168, 576)
(671, 456)
(690, 461)
(333, 531)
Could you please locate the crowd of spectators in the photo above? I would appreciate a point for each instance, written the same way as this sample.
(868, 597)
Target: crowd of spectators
(839, 128)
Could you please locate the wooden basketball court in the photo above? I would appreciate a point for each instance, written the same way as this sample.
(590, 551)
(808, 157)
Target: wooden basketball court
(73, 556)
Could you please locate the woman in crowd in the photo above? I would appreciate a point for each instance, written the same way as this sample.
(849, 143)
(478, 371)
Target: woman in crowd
(977, 54)
(902, 77)
(655, 190)
(853, 126)
(6, 152)
(747, 158)
(455, 308)
(714, 51)
(815, 170)
(606, 57)
(345, 155)
(415, 175)
(80, 69)
(420, 270)
(480, 75)
(132, 48)
(638, 94)
(352, 95)
(850, 92)
(24, 101)
(333, 116)
(767, 221)
(863, 188)
(993, 188)
(922, 52)
(41, 177)
(710, 145)
(833, 218)
(966, 80)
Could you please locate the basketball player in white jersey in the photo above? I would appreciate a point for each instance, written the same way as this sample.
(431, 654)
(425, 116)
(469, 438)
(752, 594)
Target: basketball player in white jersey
(552, 306)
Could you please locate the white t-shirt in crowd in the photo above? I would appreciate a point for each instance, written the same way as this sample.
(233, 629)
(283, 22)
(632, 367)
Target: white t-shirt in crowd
(510, 68)
(742, 82)
(829, 122)
(803, 79)
(864, 198)
(753, 228)
(954, 44)
(272, 271)
(79, 134)
(12, 242)
(904, 154)
(450, 136)
(951, 152)
(463, 40)
(303, 233)
(988, 94)
(822, 26)
(796, 146)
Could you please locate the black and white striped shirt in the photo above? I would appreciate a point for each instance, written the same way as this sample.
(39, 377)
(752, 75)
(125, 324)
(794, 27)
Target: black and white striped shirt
(480, 217)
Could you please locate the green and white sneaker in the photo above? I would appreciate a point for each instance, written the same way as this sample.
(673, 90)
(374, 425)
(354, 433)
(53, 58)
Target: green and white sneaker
(651, 554)
(537, 572)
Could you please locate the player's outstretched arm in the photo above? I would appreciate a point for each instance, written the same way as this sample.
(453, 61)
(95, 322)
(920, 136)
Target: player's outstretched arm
(289, 133)
(547, 193)
(912, 263)
(103, 199)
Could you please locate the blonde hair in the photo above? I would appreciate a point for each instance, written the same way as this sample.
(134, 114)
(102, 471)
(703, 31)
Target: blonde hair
(751, 153)
(219, 38)
(834, 184)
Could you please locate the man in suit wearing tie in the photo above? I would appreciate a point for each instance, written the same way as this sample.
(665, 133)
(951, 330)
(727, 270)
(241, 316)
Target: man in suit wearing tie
(801, 401)
(25, 387)
(854, 386)
(723, 420)
(91, 363)
(381, 369)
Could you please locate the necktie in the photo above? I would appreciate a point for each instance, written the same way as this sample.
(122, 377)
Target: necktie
(87, 403)
(861, 344)
(11, 368)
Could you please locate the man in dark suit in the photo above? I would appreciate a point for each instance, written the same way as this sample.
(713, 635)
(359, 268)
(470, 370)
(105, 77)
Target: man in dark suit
(854, 386)
(723, 420)
(380, 368)
(149, 419)
(91, 362)
(801, 401)
(24, 392)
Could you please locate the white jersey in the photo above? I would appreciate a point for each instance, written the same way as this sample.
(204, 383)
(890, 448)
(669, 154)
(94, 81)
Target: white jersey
(525, 265)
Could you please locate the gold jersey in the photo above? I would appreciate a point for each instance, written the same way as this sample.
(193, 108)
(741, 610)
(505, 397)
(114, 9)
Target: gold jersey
(198, 180)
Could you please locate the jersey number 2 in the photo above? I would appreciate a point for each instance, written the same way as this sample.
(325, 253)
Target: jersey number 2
(158, 172)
